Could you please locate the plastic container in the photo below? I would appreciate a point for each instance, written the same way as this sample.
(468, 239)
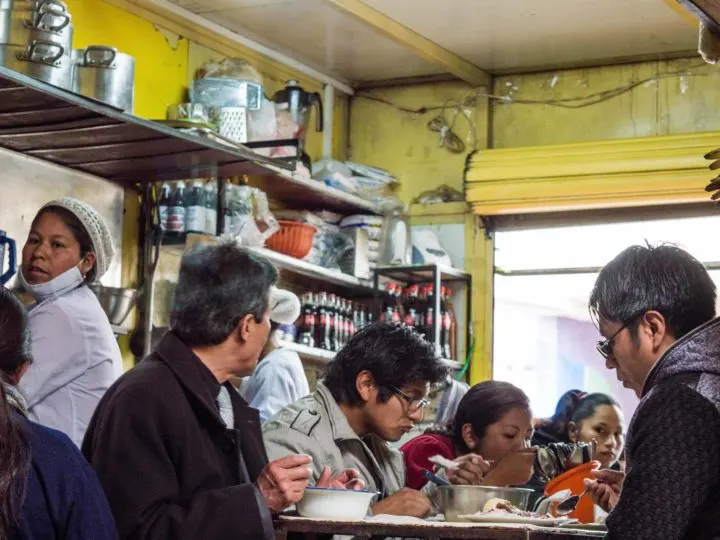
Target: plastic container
(211, 208)
(574, 481)
(164, 205)
(293, 239)
(176, 213)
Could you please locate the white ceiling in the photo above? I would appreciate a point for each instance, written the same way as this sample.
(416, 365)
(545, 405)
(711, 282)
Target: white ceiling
(495, 35)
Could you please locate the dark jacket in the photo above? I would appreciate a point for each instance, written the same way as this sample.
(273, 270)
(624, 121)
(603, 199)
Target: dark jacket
(63, 498)
(672, 487)
(169, 466)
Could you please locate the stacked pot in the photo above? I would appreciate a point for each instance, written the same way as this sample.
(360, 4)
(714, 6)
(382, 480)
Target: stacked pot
(104, 74)
(36, 39)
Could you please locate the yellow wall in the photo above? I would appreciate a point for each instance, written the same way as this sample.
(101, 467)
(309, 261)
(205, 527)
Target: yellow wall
(676, 104)
(401, 142)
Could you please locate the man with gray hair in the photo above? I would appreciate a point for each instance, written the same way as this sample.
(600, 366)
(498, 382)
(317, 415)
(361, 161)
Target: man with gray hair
(178, 451)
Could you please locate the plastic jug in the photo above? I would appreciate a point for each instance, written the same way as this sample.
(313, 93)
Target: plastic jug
(12, 259)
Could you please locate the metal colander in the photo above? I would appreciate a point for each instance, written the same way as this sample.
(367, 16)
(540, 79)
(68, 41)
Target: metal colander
(232, 123)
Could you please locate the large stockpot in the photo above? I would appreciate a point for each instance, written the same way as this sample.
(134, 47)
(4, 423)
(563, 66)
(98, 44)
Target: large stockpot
(42, 60)
(49, 18)
(104, 74)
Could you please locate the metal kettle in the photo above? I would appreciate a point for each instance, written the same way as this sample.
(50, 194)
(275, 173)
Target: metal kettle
(5, 240)
(298, 103)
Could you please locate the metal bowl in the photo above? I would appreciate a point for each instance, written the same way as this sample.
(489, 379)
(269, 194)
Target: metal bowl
(454, 501)
(116, 302)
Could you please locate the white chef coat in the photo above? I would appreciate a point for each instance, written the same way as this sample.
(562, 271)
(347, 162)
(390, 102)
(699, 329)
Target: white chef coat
(278, 381)
(75, 360)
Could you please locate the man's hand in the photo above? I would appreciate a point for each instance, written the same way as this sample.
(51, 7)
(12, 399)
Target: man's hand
(471, 470)
(406, 502)
(283, 481)
(605, 489)
(347, 479)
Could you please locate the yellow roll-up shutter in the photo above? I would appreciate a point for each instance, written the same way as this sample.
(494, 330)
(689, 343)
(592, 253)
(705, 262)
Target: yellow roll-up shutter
(620, 173)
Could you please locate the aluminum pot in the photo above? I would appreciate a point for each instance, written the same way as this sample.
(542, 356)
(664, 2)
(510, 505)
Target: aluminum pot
(31, 5)
(104, 74)
(116, 302)
(455, 501)
(17, 25)
(41, 60)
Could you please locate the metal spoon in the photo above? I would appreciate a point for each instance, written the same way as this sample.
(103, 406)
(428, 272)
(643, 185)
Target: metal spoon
(566, 506)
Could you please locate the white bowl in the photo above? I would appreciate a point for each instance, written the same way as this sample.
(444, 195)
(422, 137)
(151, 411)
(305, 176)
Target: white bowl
(332, 503)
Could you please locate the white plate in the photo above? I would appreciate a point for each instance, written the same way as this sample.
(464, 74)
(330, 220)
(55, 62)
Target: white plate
(585, 526)
(512, 518)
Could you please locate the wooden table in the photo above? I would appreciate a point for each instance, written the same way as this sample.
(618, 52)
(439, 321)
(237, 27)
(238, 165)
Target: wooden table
(312, 528)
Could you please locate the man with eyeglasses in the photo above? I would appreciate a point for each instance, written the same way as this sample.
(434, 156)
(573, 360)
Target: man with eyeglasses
(374, 392)
(655, 308)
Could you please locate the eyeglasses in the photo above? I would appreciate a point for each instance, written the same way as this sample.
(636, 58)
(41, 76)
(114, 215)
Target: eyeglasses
(414, 405)
(605, 346)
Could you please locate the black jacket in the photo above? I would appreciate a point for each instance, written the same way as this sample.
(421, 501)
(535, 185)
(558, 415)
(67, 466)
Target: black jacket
(672, 487)
(169, 467)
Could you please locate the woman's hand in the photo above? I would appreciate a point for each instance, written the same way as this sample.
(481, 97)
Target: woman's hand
(471, 470)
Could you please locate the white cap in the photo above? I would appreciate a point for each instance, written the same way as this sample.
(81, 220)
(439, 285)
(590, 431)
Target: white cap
(284, 306)
(96, 227)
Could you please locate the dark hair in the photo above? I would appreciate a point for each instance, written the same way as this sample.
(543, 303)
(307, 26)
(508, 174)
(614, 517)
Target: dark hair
(556, 426)
(77, 229)
(395, 354)
(14, 447)
(483, 405)
(662, 278)
(218, 285)
(586, 407)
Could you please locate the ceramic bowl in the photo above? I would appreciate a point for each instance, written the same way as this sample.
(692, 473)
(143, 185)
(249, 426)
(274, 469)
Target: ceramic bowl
(332, 503)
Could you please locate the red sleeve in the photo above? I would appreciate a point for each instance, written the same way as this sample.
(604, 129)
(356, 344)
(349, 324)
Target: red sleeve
(417, 453)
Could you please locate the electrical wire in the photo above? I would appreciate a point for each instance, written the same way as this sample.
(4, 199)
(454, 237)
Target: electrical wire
(575, 102)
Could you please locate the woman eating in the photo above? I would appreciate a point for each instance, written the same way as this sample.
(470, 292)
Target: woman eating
(47, 490)
(492, 421)
(76, 355)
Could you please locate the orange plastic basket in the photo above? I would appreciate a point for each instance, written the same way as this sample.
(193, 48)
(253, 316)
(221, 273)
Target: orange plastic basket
(573, 480)
(294, 239)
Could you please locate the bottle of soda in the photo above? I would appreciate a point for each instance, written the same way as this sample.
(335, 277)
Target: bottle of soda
(333, 321)
(410, 303)
(307, 321)
(176, 214)
(430, 315)
(195, 208)
(164, 205)
(445, 325)
(211, 207)
(388, 303)
(453, 326)
(350, 314)
(324, 321)
(362, 318)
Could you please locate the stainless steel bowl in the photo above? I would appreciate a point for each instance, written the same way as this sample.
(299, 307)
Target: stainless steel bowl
(454, 501)
(116, 302)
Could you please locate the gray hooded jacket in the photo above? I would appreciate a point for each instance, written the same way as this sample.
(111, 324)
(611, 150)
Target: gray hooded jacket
(672, 486)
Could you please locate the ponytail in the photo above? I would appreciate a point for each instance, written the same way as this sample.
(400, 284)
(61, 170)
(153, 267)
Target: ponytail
(14, 446)
(556, 426)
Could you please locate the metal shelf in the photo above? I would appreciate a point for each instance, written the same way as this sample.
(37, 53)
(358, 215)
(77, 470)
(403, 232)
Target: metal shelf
(423, 273)
(322, 357)
(297, 266)
(52, 124)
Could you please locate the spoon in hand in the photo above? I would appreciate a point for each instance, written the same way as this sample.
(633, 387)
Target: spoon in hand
(566, 506)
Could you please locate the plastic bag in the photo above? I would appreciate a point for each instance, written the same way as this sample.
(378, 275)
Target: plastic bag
(247, 215)
(229, 68)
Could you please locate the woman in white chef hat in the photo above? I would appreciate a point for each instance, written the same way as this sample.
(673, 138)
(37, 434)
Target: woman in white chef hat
(76, 355)
(279, 378)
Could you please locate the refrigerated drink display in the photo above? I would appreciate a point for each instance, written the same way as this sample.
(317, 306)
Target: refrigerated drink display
(306, 322)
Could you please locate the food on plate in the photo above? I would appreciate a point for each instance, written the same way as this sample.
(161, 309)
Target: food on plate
(500, 506)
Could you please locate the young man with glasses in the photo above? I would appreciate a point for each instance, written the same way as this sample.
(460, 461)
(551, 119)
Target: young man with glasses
(655, 307)
(374, 391)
